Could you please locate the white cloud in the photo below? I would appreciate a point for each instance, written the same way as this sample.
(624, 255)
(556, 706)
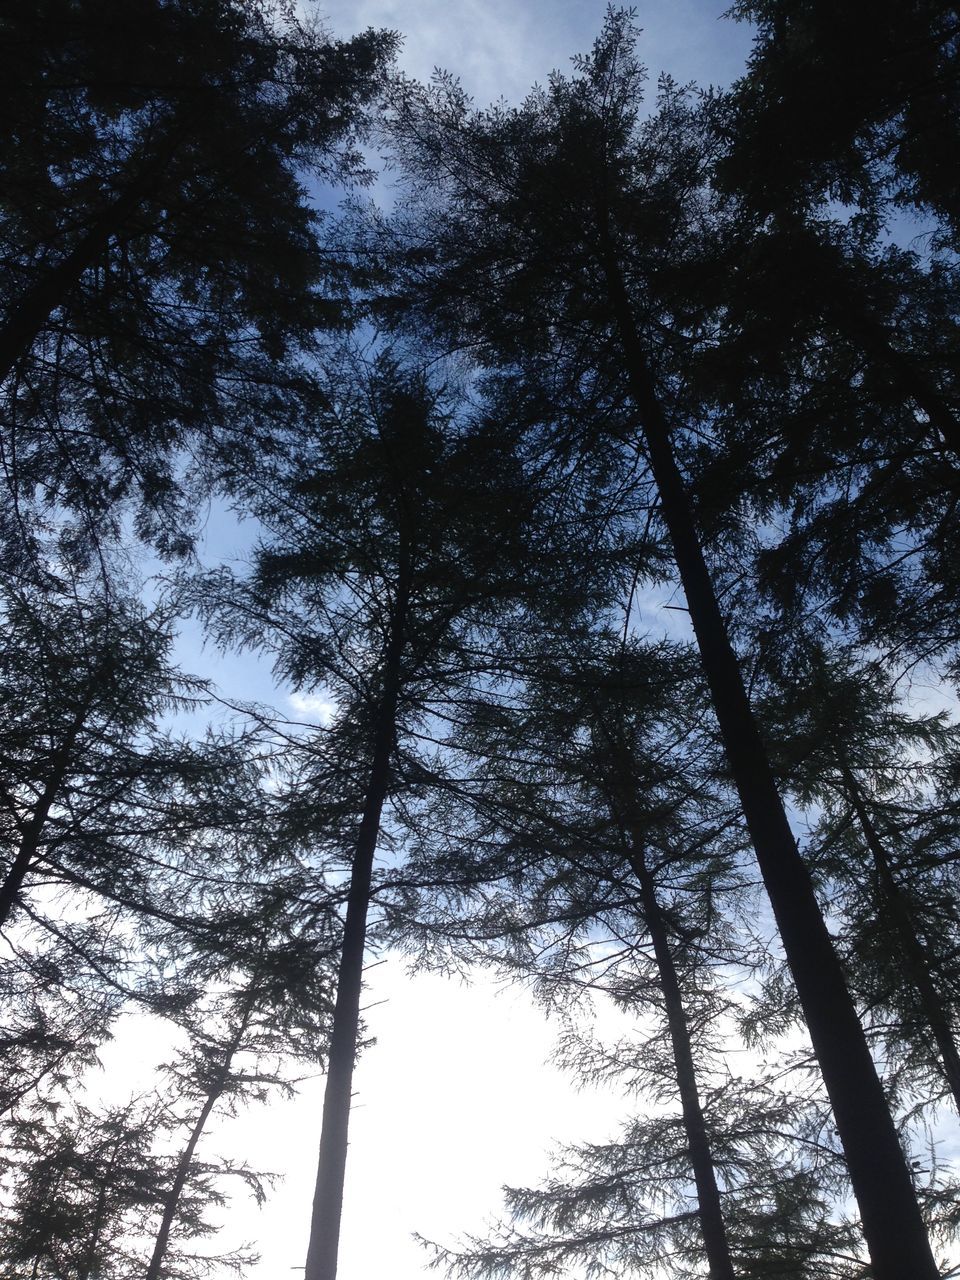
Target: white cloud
(456, 1097)
(314, 707)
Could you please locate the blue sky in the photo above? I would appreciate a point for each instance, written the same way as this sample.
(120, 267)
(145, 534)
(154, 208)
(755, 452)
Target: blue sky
(499, 48)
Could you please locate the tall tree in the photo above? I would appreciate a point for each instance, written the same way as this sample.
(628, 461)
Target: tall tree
(593, 850)
(880, 777)
(398, 531)
(832, 106)
(578, 219)
(249, 1031)
(84, 1190)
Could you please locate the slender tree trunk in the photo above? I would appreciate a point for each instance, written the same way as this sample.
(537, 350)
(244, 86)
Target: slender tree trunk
(28, 316)
(710, 1209)
(171, 1201)
(99, 1218)
(26, 852)
(892, 1224)
(32, 834)
(323, 1247)
(911, 948)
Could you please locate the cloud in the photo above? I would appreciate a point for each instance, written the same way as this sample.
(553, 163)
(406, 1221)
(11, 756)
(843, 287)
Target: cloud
(313, 707)
(499, 48)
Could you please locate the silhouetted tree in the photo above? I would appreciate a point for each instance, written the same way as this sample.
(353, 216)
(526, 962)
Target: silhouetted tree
(81, 1191)
(565, 217)
(882, 780)
(593, 849)
(398, 539)
(247, 1040)
(162, 271)
(833, 106)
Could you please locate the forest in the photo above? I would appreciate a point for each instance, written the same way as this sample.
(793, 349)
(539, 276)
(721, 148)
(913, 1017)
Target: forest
(623, 343)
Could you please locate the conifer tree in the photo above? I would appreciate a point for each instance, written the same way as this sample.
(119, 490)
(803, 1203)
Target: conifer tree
(592, 850)
(89, 775)
(162, 272)
(861, 112)
(881, 778)
(250, 1030)
(589, 222)
(397, 532)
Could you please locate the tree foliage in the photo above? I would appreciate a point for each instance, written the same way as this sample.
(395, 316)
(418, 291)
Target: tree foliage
(597, 356)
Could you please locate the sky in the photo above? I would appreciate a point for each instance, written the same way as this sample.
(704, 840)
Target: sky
(458, 1094)
(499, 48)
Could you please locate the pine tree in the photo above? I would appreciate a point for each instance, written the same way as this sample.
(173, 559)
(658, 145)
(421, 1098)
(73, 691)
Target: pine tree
(592, 850)
(89, 774)
(591, 223)
(861, 112)
(249, 1030)
(880, 776)
(396, 538)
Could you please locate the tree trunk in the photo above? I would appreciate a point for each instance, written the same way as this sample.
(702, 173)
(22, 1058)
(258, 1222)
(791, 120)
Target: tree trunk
(892, 1224)
(172, 1199)
(712, 1225)
(911, 948)
(323, 1247)
(33, 830)
(85, 1268)
(28, 316)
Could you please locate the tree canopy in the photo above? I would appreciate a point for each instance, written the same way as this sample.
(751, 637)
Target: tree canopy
(601, 354)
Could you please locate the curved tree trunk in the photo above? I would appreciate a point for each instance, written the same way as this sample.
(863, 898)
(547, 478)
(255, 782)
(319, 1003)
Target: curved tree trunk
(324, 1243)
(171, 1201)
(892, 1224)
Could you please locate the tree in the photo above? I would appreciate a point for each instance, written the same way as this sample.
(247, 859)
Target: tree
(579, 220)
(145, 874)
(85, 1184)
(163, 273)
(80, 1192)
(606, 1208)
(881, 778)
(860, 112)
(89, 775)
(245, 1036)
(592, 849)
(118, 841)
(398, 528)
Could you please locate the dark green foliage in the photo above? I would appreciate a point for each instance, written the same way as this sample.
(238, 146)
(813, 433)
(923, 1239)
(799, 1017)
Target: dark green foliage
(588, 221)
(86, 1183)
(162, 269)
(880, 781)
(852, 106)
(403, 554)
